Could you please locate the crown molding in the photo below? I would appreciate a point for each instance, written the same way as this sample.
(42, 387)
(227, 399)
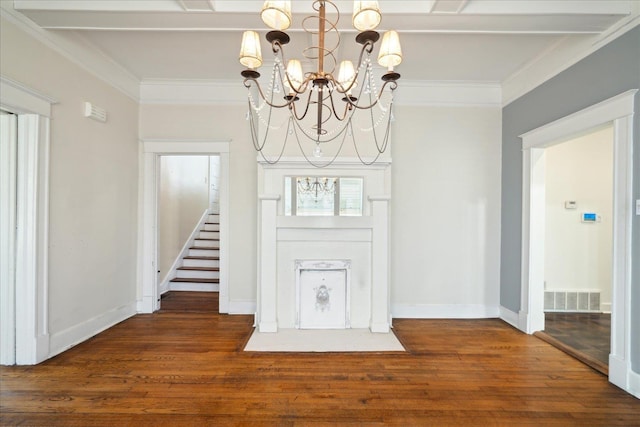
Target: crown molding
(448, 93)
(193, 92)
(230, 92)
(561, 56)
(79, 51)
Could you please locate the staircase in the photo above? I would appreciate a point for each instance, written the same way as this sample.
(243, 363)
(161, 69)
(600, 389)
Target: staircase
(200, 270)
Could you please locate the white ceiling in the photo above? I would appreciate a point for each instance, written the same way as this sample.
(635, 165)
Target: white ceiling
(442, 40)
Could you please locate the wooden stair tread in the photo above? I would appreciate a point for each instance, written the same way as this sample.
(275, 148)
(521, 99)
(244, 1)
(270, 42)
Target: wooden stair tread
(213, 248)
(211, 223)
(199, 268)
(204, 258)
(194, 280)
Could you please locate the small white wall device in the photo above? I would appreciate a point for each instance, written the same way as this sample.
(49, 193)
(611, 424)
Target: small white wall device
(94, 112)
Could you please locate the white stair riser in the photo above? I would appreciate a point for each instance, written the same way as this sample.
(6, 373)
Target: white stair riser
(213, 218)
(197, 274)
(207, 243)
(212, 227)
(209, 235)
(194, 287)
(200, 263)
(204, 252)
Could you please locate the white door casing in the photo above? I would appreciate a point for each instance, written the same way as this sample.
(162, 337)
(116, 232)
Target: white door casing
(29, 284)
(150, 152)
(619, 111)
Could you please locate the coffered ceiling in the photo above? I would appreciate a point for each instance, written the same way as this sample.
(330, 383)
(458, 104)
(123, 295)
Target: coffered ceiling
(487, 41)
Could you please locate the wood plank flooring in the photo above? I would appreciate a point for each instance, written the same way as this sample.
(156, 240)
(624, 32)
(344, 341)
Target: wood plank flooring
(183, 301)
(585, 336)
(176, 368)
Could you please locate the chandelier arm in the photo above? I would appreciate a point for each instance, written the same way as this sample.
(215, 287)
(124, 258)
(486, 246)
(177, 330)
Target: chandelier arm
(335, 113)
(367, 48)
(278, 50)
(248, 83)
(392, 85)
(295, 111)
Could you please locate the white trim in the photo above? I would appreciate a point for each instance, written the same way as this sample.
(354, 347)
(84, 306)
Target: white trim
(32, 219)
(410, 92)
(193, 92)
(634, 384)
(151, 150)
(18, 98)
(448, 93)
(76, 334)
(79, 51)
(511, 317)
(559, 57)
(8, 203)
(574, 124)
(444, 311)
(619, 110)
(165, 285)
(193, 287)
(242, 307)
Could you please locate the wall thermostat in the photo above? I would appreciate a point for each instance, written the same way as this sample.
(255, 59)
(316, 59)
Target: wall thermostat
(590, 217)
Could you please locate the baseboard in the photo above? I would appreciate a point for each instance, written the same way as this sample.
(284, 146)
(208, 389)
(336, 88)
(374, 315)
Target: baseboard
(76, 334)
(444, 311)
(194, 287)
(511, 317)
(242, 307)
(145, 305)
(634, 384)
(619, 370)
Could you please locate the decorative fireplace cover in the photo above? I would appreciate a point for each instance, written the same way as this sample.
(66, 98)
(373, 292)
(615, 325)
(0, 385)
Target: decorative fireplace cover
(322, 294)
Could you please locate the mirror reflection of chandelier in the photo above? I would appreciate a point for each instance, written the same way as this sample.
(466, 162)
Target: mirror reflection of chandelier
(328, 100)
(316, 186)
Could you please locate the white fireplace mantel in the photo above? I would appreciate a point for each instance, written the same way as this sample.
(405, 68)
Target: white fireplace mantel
(285, 241)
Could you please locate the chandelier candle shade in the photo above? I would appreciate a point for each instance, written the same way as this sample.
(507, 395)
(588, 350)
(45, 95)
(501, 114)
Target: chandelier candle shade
(327, 99)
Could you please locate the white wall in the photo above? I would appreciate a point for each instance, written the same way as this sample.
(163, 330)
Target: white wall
(578, 256)
(93, 191)
(183, 197)
(445, 207)
(220, 123)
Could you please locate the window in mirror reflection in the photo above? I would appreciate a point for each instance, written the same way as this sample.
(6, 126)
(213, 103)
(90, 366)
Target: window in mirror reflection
(323, 196)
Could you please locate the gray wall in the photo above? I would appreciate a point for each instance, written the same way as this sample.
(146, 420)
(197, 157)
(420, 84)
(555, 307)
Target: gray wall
(611, 70)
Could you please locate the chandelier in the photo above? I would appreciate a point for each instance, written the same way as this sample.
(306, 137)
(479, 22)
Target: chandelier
(316, 186)
(326, 99)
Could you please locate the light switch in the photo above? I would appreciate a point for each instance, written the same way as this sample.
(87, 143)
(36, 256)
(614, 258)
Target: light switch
(638, 207)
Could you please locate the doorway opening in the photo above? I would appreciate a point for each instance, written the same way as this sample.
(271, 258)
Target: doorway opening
(152, 155)
(617, 111)
(578, 247)
(189, 224)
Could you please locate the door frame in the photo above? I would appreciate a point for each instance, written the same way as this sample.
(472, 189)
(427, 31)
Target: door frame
(619, 111)
(25, 337)
(150, 152)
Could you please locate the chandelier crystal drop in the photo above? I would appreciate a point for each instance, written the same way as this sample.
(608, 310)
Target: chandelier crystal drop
(329, 95)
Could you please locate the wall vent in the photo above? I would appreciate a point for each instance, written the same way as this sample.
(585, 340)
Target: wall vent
(580, 301)
(94, 112)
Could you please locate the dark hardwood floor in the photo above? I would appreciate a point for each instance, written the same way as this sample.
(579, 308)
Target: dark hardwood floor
(586, 336)
(177, 368)
(182, 301)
